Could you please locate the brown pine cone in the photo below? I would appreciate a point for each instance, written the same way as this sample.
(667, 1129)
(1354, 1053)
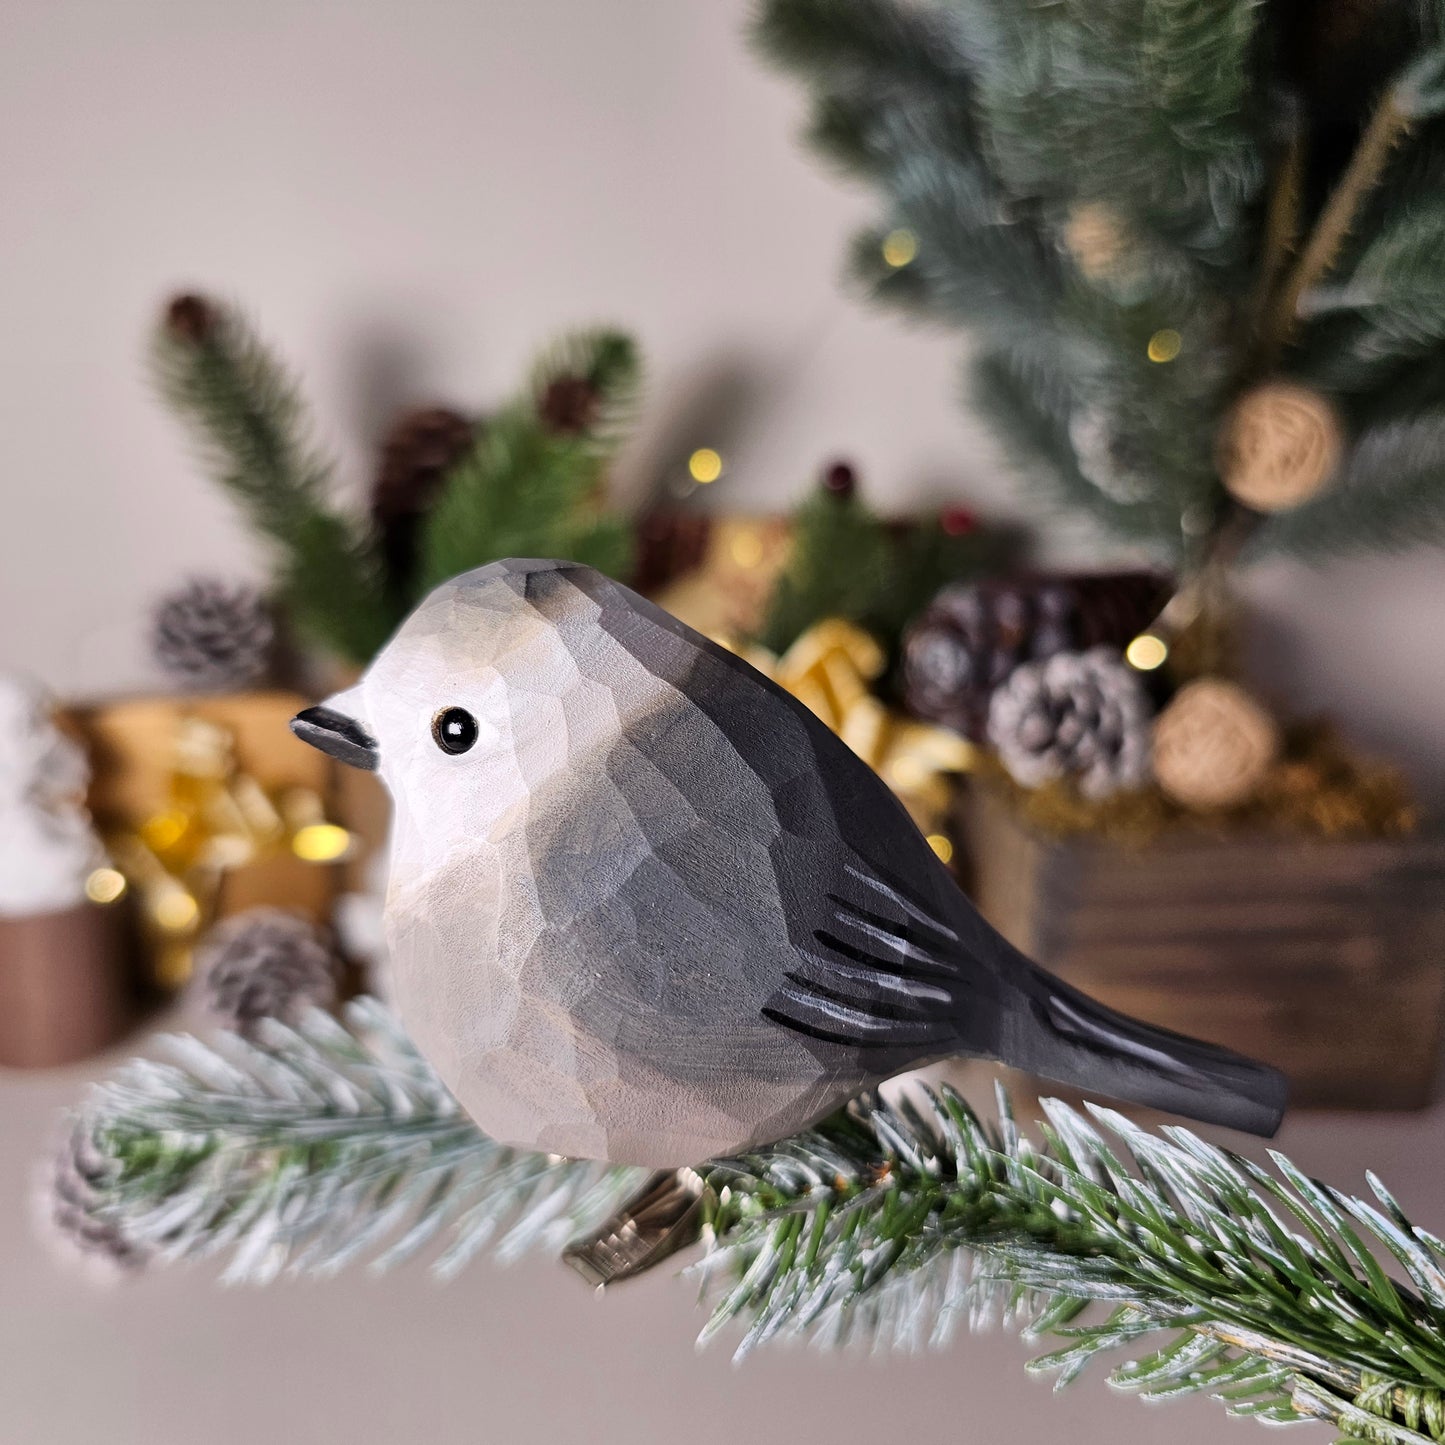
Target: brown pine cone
(416, 454)
(841, 479)
(569, 405)
(191, 318)
(670, 544)
(971, 637)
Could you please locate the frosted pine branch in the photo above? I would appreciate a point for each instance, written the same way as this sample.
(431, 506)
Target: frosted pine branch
(887, 1226)
(307, 1150)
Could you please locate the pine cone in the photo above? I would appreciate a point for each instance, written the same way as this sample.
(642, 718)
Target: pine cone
(670, 544)
(972, 636)
(267, 963)
(212, 636)
(191, 319)
(71, 1209)
(1080, 715)
(840, 479)
(422, 446)
(568, 405)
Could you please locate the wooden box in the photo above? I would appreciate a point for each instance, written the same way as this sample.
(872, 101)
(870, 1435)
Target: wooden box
(1325, 958)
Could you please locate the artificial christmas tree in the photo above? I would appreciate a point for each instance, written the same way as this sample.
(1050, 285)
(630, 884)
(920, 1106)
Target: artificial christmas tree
(1202, 292)
(1165, 248)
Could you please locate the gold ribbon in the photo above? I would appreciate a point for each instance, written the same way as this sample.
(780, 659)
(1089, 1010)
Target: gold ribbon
(217, 818)
(832, 669)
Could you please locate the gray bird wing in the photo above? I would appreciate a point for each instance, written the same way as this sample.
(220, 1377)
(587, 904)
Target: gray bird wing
(885, 963)
(890, 963)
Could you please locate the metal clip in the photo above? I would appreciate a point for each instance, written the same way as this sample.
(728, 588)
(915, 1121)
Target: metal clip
(664, 1216)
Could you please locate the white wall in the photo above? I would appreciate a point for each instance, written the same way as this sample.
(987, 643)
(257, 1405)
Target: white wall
(409, 197)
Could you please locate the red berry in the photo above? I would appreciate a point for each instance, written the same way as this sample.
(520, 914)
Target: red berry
(840, 479)
(958, 521)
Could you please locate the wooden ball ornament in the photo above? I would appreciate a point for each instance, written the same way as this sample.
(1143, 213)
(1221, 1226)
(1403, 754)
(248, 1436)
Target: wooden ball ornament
(1096, 236)
(1213, 745)
(1281, 444)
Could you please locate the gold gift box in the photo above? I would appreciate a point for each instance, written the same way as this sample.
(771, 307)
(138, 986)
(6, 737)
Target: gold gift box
(211, 806)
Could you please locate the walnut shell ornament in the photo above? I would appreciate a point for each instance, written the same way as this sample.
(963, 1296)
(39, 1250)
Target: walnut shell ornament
(1213, 745)
(1280, 445)
(1099, 240)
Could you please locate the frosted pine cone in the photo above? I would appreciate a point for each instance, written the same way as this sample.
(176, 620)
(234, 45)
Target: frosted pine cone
(72, 1207)
(266, 963)
(211, 636)
(1079, 715)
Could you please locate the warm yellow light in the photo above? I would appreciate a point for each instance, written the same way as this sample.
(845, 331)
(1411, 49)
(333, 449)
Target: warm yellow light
(1165, 345)
(704, 465)
(899, 248)
(747, 549)
(105, 885)
(175, 910)
(162, 831)
(942, 845)
(906, 773)
(1146, 652)
(321, 842)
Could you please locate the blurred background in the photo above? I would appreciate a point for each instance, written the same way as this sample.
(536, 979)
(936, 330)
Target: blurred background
(403, 204)
(411, 203)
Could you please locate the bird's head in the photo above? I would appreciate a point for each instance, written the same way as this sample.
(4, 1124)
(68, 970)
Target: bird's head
(465, 704)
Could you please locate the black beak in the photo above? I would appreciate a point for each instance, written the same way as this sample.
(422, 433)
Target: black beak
(338, 736)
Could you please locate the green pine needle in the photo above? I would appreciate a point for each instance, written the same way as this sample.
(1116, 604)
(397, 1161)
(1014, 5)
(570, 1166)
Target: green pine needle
(530, 487)
(249, 425)
(887, 1226)
(527, 489)
(521, 492)
(838, 567)
(848, 562)
(989, 128)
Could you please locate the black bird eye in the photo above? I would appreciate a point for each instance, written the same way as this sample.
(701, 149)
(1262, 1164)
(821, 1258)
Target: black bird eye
(454, 729)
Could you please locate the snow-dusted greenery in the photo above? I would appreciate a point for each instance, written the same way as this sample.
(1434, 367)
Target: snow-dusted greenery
(887, 1226)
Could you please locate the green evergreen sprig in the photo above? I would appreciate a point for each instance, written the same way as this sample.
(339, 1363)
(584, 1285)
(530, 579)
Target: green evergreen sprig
(886, 1226)
(531, 489)
(254, 437)
(846, 561)
(533, 484)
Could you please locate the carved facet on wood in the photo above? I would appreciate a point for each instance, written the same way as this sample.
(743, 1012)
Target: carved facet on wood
(645, 907)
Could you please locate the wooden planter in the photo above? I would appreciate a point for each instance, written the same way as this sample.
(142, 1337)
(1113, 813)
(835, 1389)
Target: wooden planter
(67, 985)
(1325, 958)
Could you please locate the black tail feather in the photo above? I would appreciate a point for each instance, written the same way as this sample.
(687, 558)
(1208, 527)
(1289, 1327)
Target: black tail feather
(1061, 1034)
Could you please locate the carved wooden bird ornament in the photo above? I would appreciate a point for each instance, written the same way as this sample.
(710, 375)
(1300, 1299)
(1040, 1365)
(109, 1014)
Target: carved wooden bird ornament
(645, 907)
